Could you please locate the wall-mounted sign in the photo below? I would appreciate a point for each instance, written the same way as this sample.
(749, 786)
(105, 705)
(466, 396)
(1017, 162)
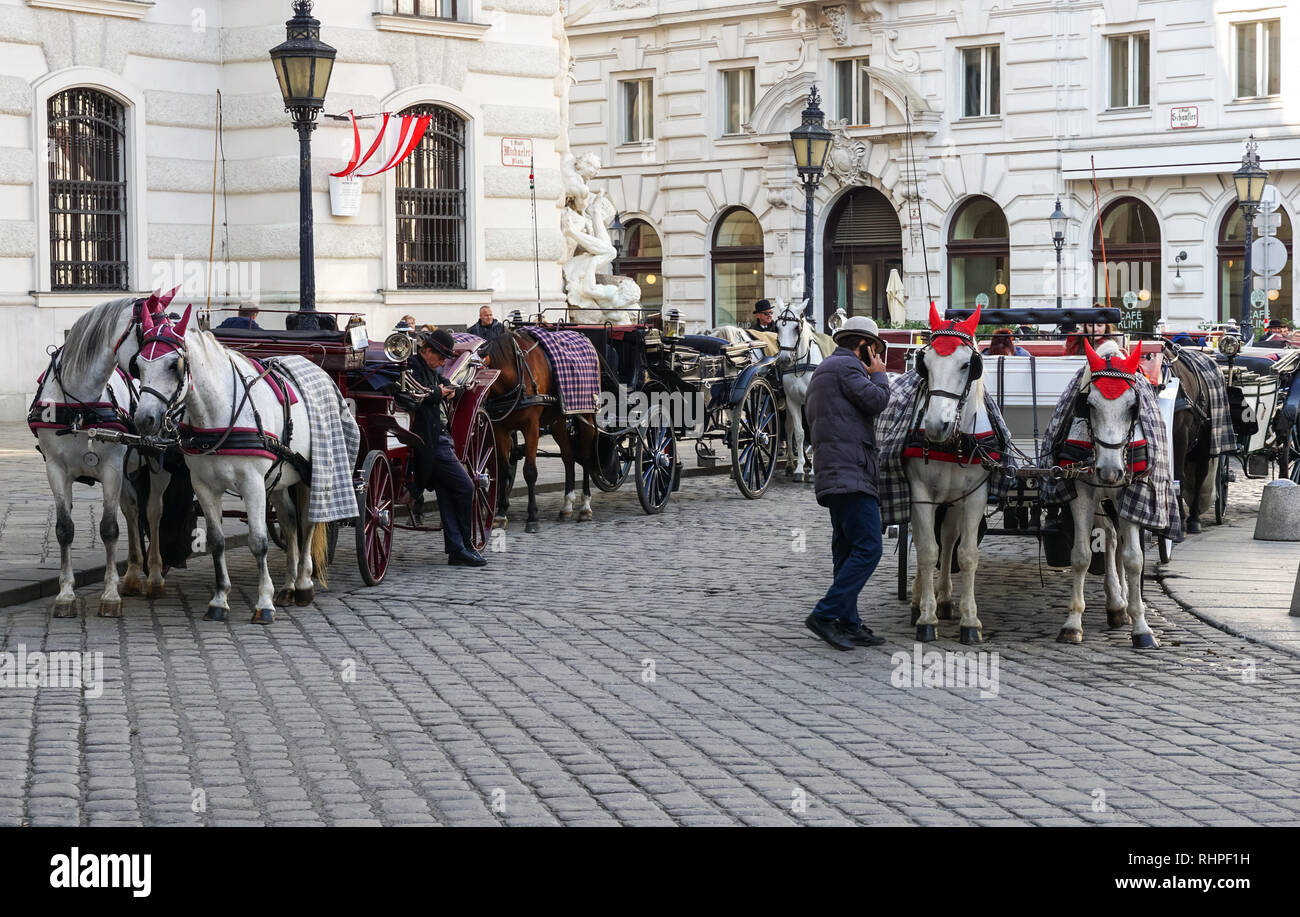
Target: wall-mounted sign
(1182, 117)
(345, 196)
(516, 151)
(982, 300)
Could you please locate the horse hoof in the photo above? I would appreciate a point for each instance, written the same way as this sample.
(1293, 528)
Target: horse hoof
(532, 528)
(1145, 641)
(500, 522)
(944, 611)
(303, 597)
(284, 596)
(808, 478)
(798, 477)
(131, 585)
(1116, 618)
(972, 636)
(263, 616)
(585, 516)
(565, 517)
(215, 613)
(157, 590)
(916, 615)
(925, 633)
(1193, 527)
(109, 609)
(64, 609)
(1070, 635)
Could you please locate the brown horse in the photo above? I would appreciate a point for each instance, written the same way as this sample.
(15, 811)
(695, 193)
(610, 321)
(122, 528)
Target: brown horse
(526, 398)
(1191, 444)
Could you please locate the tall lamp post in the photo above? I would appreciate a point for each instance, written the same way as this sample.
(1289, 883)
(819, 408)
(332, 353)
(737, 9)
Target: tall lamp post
(303, 64)
(811, 141)
(1059, 221)
(1249, 181)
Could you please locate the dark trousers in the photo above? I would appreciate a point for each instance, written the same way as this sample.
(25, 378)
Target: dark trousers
(855, 550)
(455, 492)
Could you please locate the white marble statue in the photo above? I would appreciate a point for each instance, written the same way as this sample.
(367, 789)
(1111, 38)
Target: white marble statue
(593, 294)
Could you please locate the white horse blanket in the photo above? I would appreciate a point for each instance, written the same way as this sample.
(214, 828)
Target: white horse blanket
(335, 440)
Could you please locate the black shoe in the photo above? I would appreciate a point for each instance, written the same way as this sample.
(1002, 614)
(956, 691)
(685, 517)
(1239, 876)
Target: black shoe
(829, 631)
(861, 636)
(467, 558)
(417, 511)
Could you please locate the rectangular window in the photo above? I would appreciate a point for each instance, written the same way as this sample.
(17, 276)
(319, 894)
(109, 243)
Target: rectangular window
(1130, 59)
(1258, 47)
(638, 110)
(852, 91)
(738, 90)
(981, 89)
(435, 9)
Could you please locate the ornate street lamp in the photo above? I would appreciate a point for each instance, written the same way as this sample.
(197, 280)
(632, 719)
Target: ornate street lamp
(811, 141)
(303, 64)
(616, 233)
(1059, 221)
(1249, 181)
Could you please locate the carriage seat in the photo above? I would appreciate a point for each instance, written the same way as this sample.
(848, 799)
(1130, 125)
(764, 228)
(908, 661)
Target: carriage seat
(714, 347)
(265, 334)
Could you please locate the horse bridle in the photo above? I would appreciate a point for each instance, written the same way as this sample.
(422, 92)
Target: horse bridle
(1081, 397)
(959, 397)
(800, 364)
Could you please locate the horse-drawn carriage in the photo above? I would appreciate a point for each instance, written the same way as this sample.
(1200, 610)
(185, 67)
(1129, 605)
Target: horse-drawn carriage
(1034, 449)
(372, 378)
(1265, 404)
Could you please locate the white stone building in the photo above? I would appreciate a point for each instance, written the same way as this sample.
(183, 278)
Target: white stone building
(1012, 102)
(110, 106)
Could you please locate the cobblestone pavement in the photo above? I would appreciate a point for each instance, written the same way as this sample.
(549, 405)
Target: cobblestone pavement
(522, 694)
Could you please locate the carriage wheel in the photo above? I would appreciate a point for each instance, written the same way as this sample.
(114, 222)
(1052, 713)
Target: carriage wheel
(656, 464)
(481, 465)
(1221, 489)
(614, 456)
(1294, 456)
(755, 437)
(375, 526)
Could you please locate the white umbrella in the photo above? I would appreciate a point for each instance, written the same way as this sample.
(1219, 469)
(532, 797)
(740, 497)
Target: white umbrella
(894, 295)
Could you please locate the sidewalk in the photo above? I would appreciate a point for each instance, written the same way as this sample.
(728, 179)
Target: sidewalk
(1239, 585)
(29, 548)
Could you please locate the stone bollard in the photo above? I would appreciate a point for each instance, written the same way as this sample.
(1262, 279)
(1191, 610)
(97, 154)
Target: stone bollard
(1279, 512)
(1295, 597)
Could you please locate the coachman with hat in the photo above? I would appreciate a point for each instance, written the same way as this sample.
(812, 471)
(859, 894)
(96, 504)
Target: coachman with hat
(763, 320)
(436, 467)
(848, 389)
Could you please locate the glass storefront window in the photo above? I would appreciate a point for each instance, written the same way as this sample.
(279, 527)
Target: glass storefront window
(1232, 253)
(1132, 263)
(737, 255)
(978, 255)
(643, 261)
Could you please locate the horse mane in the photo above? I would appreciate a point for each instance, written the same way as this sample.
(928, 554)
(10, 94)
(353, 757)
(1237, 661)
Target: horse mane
(89, 335)
(499, 352)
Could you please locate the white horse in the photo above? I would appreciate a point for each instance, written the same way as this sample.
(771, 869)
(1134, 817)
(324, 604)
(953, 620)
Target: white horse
(951, 415)
(1110, 422)
(83, 389)
(227, 401)
(801, 351)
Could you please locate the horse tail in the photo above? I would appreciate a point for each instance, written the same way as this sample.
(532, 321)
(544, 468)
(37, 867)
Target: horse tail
(316, 540)
(320, 555)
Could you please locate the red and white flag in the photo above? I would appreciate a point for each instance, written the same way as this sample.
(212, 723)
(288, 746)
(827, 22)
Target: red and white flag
(399, 134)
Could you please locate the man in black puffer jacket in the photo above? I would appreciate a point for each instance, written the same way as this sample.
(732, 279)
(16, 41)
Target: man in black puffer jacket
(847, 391)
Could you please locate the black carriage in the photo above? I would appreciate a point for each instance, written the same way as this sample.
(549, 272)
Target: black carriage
(662, 387)
(1265, 403)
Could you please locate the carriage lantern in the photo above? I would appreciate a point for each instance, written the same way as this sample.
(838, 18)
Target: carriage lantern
(1249, 181)
(303, 64)
(811, 141)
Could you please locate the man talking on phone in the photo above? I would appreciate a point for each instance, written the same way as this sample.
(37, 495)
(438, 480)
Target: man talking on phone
(848, 389)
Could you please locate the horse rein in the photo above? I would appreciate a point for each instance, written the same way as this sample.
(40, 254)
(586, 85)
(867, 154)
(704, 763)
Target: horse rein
(801, 364)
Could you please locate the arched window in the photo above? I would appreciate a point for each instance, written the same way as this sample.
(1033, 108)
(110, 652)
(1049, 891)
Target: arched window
(87, 163)
(1232, 252)
(431, 222)
(1132, 262)
(864, 243)
(978, 255)
(643, 261)
(737, 267)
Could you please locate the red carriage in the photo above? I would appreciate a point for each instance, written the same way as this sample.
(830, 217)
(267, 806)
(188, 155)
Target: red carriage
(371, 376)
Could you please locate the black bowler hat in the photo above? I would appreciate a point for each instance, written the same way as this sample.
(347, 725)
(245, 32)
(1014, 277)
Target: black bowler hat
(762, 306)
(440, 342)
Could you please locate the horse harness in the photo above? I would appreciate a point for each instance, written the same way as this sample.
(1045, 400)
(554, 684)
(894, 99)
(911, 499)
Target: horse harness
(76, 416)
(1131, 456)
(518, 396)
(801, 364)
(975, 372)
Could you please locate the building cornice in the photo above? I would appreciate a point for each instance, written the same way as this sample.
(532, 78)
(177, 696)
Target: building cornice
(126, 9)
(426, 25)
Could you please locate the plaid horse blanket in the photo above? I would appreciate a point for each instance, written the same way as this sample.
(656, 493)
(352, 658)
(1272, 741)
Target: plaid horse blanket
(575, 366)
(1150, 500)
(1206, 370)
(464, 337)
(335, 440)
(893, 429)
